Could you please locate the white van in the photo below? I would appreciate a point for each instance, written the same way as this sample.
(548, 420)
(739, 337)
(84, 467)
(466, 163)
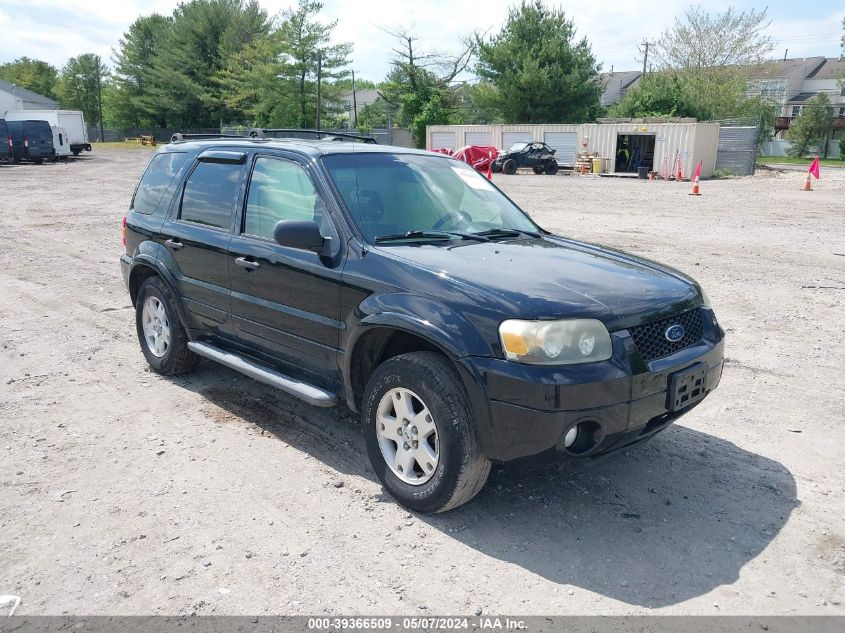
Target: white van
(60, 142)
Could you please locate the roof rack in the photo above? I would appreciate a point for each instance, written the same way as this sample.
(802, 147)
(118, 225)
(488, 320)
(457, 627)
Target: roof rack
(179, 137)
(304, 133)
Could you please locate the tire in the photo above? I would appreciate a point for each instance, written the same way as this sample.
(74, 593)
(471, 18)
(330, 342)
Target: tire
(538, 169)
(460, 470)
(76, 152)
(551, 168)
(173, 355)
(496, 167)
(509, 167)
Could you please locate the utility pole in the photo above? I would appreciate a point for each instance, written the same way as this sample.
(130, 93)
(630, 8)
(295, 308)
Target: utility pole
(354, 104)
(319, 83)
(100, 97)
(646, 44)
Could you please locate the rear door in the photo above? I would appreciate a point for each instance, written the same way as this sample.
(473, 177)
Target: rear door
(286, 301)
(196, 238)
(17, 135)
(5, 142)
(40, 137)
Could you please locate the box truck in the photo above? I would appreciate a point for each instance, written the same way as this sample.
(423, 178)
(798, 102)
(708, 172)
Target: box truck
(71, 120)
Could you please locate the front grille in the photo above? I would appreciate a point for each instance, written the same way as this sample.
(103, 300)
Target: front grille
(651, 340)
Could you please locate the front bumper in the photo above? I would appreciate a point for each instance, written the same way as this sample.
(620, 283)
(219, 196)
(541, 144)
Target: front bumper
(532, 407)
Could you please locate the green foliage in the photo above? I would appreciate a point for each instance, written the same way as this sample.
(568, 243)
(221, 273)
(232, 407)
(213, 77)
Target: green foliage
(274, 79)
(540, 72)
(812, 127)
(126, 100)
(658, 95)
(79, 85)
(372, 116)
(722, 172)
(419, 88)
(191, 54)
(842, 148)
(32, 74)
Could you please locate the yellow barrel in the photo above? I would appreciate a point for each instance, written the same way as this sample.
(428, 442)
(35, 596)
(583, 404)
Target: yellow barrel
(598, 165)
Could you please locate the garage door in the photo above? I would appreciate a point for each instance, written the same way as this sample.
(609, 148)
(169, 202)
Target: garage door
(509, 138)
(565, 143)
(478, 138)
(442, 140)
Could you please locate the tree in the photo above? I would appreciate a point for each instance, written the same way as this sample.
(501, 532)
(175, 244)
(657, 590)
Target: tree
(658, 95)
(811, 127)
(80, 83)
(540, 72)
(204, 34)
(419, 88)
(702, 40)
(128, 102)
(274, 79)
(32, 74)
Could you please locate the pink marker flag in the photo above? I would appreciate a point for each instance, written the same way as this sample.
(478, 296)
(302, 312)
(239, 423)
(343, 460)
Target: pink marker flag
(814, 168)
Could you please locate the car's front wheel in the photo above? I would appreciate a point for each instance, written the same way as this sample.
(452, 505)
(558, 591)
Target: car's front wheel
(162, 337)
(509, 167)
(420, 434)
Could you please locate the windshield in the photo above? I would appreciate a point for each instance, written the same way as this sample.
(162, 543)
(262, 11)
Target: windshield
(518, 147)
(394, 194)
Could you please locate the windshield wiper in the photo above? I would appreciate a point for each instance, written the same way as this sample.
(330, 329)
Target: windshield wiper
(500, 231)
(429, 235)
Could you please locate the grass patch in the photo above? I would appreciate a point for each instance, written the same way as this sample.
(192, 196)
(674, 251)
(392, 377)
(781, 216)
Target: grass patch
(786, 160)
(121, 145)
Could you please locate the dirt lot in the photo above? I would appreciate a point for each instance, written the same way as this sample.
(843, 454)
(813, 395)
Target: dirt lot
(125, 493)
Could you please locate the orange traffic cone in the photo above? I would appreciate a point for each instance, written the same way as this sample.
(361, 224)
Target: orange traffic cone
(695, 178)
(807, 186)
(490, 165)
(583, 169)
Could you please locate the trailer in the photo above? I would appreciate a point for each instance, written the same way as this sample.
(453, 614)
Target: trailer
(72, 121)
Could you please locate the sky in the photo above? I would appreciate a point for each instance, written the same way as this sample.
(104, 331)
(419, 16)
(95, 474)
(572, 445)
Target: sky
(54, 30)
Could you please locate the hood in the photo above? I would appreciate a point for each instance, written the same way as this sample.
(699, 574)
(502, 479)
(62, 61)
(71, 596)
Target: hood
(552, 277)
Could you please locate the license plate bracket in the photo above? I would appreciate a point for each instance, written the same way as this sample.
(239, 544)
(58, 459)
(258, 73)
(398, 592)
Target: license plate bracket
(687, 387)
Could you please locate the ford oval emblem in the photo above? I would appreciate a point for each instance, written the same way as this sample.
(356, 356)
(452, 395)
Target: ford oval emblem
(674, 333)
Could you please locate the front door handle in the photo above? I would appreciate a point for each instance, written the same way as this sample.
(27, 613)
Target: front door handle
(174, 245)
(247, 263)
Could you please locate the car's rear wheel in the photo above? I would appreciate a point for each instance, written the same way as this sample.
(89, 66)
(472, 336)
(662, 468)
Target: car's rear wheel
(420, 435)
(160, 332)
(509, 167)
(551, 168)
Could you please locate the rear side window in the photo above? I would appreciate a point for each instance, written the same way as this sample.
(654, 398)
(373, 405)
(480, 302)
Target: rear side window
(210, 194)
(156, 181)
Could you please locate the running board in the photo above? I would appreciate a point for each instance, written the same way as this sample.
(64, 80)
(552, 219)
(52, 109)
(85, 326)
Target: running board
(302, 390)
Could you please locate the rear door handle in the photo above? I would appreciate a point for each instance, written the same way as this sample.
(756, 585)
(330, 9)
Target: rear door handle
(247, 263)
(174, 245)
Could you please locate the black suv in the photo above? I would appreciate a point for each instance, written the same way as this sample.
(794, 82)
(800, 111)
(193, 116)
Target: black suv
(538, 156)
(406, 285)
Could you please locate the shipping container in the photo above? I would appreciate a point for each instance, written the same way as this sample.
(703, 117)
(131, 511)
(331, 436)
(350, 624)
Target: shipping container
(625, 146)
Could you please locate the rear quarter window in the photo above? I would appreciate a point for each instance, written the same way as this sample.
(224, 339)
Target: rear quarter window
(156, 181)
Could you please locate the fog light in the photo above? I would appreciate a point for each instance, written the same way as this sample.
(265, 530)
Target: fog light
(570, 437)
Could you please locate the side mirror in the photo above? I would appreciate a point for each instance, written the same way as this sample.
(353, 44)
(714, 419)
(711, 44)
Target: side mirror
(302, 234)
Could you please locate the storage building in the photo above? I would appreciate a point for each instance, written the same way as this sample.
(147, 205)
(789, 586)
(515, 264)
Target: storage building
(625, 145)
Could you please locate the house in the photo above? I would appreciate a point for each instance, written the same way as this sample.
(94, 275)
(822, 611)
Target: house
(615, 85)
(362, 98)
(791, 83)
(14, 97)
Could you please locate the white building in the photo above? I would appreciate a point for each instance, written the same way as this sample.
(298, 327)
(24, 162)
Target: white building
(14, 97)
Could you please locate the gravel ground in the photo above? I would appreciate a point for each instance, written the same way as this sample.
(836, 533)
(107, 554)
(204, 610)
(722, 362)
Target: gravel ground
(122, 492)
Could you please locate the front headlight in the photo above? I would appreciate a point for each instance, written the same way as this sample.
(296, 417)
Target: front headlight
(705, 299)
(555, 342)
